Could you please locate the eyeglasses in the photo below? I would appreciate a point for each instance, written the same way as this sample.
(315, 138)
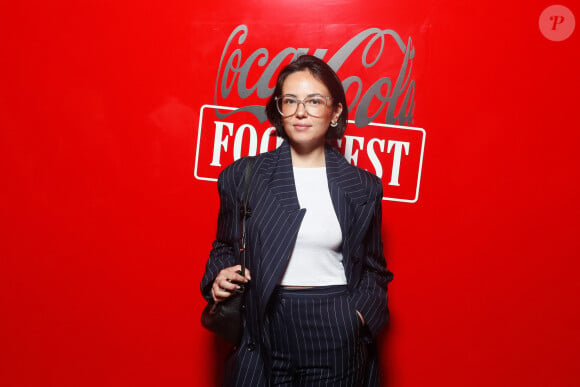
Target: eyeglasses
(314, 105)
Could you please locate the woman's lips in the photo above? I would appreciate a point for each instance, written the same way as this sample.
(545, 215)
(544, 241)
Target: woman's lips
(301, 127)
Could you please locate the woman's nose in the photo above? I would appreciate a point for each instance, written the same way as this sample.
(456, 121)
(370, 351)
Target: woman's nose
(301, 109)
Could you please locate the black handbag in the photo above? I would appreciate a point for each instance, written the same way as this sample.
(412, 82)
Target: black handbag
(225, 317)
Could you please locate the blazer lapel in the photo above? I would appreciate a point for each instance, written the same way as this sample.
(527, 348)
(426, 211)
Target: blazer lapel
(340, 201)
(279, 214)
(349, 197)
(281, 180)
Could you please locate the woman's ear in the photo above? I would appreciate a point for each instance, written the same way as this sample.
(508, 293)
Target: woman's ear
(337, 112)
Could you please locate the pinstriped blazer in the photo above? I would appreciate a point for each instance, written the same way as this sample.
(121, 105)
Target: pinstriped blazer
(272, 229)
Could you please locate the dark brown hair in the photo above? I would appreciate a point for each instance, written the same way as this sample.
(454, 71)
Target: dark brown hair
(321, 71)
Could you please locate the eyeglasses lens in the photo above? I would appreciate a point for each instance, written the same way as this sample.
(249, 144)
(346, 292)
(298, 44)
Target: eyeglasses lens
(314, 106)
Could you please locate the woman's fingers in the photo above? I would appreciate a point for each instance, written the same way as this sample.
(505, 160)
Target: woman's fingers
(222, 290)
(227, 281)
(219, 294)
(360, 316)
(237, 276)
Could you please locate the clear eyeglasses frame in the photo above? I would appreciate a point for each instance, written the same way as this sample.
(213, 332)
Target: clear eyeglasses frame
(314, 105)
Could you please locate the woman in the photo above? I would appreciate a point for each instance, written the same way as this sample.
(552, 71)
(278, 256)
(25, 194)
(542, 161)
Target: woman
(317, 295)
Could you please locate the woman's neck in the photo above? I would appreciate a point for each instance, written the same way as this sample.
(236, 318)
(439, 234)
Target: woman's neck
(308, 158)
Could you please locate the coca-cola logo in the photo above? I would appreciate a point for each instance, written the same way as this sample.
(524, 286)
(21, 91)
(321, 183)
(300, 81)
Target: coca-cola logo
(396, 98)
(376, 68)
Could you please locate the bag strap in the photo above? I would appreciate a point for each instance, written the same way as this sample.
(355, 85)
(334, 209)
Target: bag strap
(245, 212)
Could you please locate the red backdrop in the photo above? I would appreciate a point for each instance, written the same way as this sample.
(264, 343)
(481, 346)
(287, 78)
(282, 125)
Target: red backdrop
(106, 229)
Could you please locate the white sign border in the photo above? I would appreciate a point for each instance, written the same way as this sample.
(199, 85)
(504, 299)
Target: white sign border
(350, 121)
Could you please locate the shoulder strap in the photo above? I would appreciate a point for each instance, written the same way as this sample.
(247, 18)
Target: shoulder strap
(245, 212)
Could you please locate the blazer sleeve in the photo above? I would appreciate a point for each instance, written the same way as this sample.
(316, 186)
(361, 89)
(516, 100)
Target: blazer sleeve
(223, 253)
(370, 296)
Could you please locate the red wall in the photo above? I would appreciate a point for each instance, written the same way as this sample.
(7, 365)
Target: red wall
(105, 229)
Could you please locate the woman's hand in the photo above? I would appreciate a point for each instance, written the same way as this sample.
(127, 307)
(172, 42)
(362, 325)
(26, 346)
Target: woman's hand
(362, 319)
(223, 285)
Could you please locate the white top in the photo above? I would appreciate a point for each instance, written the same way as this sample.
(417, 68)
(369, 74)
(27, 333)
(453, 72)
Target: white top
(317, 258)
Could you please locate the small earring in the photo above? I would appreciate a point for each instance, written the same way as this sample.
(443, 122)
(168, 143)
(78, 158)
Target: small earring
(334, 124)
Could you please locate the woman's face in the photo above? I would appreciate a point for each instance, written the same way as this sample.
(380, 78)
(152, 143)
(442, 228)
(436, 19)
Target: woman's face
(303, 129)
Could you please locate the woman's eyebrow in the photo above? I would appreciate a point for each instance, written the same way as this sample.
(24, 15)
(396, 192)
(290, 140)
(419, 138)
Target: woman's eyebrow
(308, 96)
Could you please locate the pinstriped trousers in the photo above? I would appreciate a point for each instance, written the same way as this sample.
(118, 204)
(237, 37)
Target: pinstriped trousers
(315, 335)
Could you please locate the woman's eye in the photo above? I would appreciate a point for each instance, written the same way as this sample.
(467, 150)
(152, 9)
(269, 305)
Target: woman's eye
(315, 101)
(289, 101)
